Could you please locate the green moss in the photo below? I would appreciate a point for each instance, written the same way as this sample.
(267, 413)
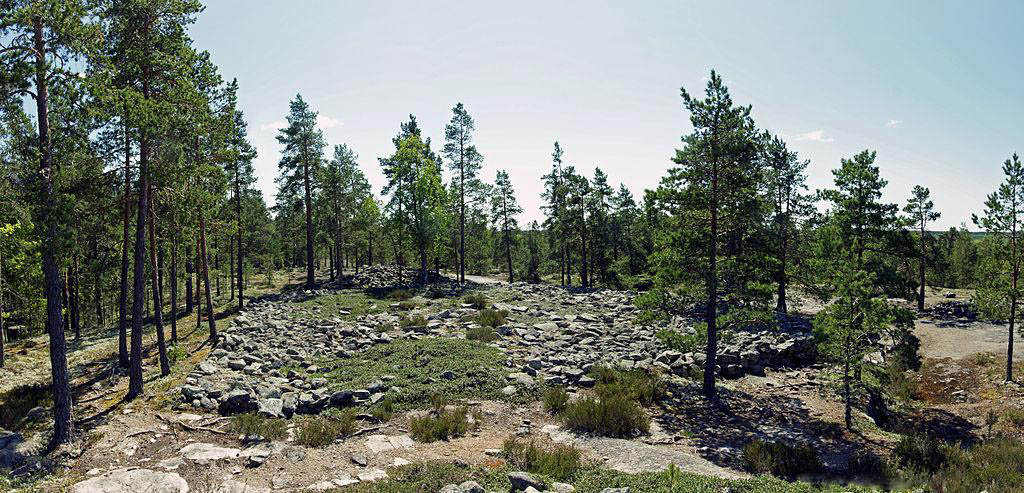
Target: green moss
(453, 369)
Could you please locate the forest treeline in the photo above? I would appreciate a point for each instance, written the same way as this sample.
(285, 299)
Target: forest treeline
(128, 198)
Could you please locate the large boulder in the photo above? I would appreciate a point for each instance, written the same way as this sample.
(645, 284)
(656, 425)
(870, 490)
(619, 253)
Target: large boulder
(132, 481)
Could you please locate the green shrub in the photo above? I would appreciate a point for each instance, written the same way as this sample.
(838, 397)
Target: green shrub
(560, 463)
(996, 466)
(477, 300)
(400, 295)
(383, 410)
(441, 425)
(492, 318)
(779, 459)
(867, 465)
(482, 334)
(414, 321)
(406, 306)
(176, 353)
(321, 431)
(254, 424)
(612, 415)
(641, 386)
(682, 342)
(16, 403)
(1014, 416)
(555, 400)
(920, 453)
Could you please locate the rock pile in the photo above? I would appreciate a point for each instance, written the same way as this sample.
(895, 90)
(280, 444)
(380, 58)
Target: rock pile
(955, 309)
(386, 276)
(245, 372)
(552, 335)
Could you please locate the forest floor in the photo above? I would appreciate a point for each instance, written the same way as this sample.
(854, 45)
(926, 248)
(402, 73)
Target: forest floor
(960, 382)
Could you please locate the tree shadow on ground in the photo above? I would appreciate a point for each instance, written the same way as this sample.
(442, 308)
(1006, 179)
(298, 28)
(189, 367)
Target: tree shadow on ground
(722, 427)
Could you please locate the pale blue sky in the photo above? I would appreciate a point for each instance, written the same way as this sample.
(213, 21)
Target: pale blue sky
(937, 88)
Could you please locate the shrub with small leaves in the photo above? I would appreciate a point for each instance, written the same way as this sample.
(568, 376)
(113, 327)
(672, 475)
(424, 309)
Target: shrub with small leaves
(920, 453)
(611, 415)
(492, 318)
(400, 295)
(477, 300)
(482, 334)
(254, 424)
(779, 459)
(414, 321)
(555, 400)
(561, 462)
(443, 424)
(321, 431)
(383, 410)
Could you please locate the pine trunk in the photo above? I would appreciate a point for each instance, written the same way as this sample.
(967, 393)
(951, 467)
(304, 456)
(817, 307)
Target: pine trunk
(206, 279)
(158, 309)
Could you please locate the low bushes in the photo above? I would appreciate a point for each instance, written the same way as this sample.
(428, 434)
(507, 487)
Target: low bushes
(477, 300)
(560, 463)
(400, 295)
(481, 334)
(321, 431)
(383, 410)
(920, 453)
(610, 415)
(996, 466)
(413, 321)
(779, 459)
(254, 424)
(492, 318)
(555, 400)
(641, 386)
(442, 424)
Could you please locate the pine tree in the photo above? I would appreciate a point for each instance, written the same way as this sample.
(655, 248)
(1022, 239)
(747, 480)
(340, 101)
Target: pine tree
(920, 211)
(709, 201)
(299, 166)
(39, 39)
(786, 182)
(238, 165)
(464, 161)
(504, 209)
(1004, 213)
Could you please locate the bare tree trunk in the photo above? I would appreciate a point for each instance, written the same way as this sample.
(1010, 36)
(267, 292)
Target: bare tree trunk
(710, 363)
(122, 300)
(206, 279)
(188, 279)
(241, 269)
(174, 288)
(310, 281)
(3, 335)
(158, 308)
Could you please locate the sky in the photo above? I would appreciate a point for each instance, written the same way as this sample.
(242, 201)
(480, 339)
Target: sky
(935, 87)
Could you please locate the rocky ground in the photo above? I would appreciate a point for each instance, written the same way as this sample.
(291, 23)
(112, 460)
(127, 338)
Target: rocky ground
(305, 352)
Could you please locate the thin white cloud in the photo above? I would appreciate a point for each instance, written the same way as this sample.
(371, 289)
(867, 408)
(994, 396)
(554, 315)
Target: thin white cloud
(278, 125)
(814, 136)
(325, 122)
(893, 123)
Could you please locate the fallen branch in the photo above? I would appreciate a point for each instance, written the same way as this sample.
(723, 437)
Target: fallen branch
(141, 432)
(366, 430)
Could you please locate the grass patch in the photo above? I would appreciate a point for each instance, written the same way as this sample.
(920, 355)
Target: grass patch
(407, 306)
(477, 371)
(779, 459)
(477, 300)
(254, 424)
(611, 415)
(354, 301)
(555, 400)
(321, 431)
(17, 402)
(442, 424)
(561, 462)
(400, 295)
